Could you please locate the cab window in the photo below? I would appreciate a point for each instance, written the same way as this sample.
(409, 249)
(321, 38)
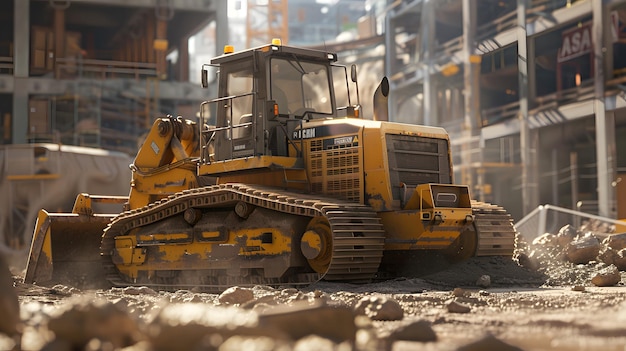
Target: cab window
(299, 86)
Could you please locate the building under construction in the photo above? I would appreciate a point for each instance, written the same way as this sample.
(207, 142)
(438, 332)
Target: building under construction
(531, 91)
(97, 72)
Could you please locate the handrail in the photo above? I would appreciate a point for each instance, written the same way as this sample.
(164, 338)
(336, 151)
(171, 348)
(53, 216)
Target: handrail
(104, 68)
(205, 158)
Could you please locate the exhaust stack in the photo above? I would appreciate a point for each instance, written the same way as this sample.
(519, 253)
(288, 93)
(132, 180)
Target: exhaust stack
(381, 104)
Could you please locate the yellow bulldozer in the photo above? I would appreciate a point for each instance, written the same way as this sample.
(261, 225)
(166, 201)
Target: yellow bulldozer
(281, 182)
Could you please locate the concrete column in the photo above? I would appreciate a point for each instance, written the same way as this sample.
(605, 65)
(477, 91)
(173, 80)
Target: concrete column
(532, 70)
(471, 68)
(183, 60)
(471, 122)
(525, 138)
(21, 59)
(221, 26)
(428, 49)
(605, 122)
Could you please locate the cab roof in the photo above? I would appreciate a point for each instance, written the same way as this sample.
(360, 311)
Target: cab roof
(277, 50)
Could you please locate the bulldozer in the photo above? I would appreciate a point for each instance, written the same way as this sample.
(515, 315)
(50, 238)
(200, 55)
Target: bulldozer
(279, 181)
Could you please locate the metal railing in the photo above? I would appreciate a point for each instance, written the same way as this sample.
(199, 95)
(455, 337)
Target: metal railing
(549, 219)
(103, 69)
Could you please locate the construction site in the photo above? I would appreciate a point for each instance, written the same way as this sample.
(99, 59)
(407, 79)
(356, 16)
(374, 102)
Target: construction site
(312, 175)
(530, 121)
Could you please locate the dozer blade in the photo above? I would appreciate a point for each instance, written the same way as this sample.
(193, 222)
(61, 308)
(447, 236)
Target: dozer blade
(66, 250)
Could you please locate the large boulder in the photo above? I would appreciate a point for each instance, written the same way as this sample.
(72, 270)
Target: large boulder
(189, 326)
(85, 318)
(236, 296)
(380, 308)
(302, 318)
(583, 249)
(616, 241)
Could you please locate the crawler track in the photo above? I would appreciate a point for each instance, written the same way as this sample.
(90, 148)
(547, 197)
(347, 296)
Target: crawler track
(357, 233)
(495, 230)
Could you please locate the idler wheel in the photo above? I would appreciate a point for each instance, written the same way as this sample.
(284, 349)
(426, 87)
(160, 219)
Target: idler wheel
(192, 215)
(243, 209)
(316, 244)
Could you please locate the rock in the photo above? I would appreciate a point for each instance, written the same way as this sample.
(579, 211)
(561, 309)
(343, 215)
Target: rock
(484, 281)
(616, 241)
(9, 303)
(608, 276)
(620, 260)
(7, 343)
(189, 326)
(566, 234)
(380, 308)
(316, 343)
(87, 318)
(263, 302)
(254, 343)
(367, 337)
(596, 226)
(300, 319)
(139, 290)
(419, 330)
(528, 261)
(578, 288)
(236, 296)
(547, 239)
(63, 290)
(607, 255)
(583, 249)
(289, 292)
(610, 256)
(460, 292)
(488, 343)
(457, 307)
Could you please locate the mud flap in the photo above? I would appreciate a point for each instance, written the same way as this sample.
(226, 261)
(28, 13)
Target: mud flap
(66, 249)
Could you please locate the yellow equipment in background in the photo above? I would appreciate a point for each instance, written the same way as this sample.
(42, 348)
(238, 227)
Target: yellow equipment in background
(288, 186)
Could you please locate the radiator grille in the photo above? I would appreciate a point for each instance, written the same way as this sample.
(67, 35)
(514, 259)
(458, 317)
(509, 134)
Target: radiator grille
(336, 170)
(415, 160)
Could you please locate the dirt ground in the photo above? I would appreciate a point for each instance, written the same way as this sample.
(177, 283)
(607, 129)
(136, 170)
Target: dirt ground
(515, 310)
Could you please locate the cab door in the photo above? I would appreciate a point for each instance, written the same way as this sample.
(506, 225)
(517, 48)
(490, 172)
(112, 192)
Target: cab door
(235, 123)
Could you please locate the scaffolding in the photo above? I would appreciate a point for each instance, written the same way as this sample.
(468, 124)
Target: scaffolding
(265, 21)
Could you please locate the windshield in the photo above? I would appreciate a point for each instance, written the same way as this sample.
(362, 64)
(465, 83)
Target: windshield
(298, 87)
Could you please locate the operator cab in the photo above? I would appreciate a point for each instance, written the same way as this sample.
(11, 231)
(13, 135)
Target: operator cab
(265, 93)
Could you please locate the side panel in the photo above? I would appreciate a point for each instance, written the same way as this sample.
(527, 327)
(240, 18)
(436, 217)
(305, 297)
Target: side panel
(407, 231)
(377, 185)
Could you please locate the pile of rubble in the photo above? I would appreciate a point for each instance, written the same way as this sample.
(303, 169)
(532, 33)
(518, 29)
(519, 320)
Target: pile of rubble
(589, 255)
(257, 319)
